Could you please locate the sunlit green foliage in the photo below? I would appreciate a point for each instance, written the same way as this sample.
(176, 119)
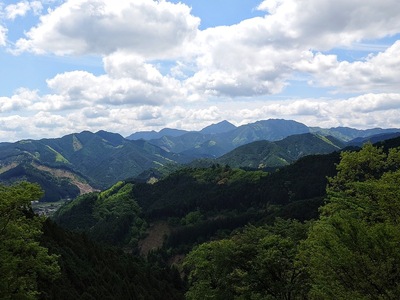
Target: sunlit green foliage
(352, 251)
(22, 259)
(112, 216)
(259, 263)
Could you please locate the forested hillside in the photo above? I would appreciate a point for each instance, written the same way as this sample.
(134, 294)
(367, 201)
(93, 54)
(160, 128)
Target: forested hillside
(79, 163)
(266, 154)
(40, 260)
(350, 252)
(325, 227)
(200, 203)
(84, 162)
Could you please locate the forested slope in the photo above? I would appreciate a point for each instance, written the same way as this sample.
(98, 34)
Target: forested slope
(198, 203)
(350, 252)
(258, 235)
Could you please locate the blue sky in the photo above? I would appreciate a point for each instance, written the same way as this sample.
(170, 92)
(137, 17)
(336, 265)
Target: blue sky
(126, 66)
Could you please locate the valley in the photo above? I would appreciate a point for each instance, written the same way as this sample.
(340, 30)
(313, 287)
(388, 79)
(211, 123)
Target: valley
(84, 162)
(174, 216)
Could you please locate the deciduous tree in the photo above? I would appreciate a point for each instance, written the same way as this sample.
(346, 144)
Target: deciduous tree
(22, 258)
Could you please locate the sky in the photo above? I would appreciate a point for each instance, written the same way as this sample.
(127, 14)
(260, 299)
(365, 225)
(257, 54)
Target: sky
(131, 65)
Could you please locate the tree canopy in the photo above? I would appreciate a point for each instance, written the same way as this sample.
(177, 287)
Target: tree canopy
(352, 251)
(22, 259)
(258, 263)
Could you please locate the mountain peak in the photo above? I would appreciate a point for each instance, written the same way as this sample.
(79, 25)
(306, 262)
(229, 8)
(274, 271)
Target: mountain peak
(221, 127)
(113, 138)
(151, 135)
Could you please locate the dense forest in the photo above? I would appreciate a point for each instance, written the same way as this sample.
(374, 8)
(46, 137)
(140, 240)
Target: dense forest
(325, 227)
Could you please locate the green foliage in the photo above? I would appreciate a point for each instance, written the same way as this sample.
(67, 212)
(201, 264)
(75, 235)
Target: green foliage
(54, 188)
(22, 259)
(203, 202)
(101, 158)
(192, 218)
(262, 154)
(259, 263)
(93, 271)
(352, 250)
(77, 214)
(112, 216)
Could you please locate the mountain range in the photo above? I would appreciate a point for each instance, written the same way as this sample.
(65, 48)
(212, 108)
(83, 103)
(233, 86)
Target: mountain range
(220, 138)
(262, 154)
(83, 162)
(87, 160)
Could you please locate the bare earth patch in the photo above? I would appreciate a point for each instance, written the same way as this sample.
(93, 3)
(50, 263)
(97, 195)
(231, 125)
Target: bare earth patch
(84, 188)
(155, 237)
(8, 167)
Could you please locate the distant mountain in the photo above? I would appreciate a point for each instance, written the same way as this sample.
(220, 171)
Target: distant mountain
(266, 154)
(198, 144)
(373, 139)
(221, 127)
(86, 161)
(64, 185)
(270, 130)
(96, 159)
(347, 134)
(150, 135)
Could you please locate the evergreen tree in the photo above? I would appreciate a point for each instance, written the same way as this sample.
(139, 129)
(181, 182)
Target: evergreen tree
(22, 258)
(352, 251)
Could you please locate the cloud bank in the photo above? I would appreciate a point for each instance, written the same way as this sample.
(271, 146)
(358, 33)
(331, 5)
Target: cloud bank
(161, 70)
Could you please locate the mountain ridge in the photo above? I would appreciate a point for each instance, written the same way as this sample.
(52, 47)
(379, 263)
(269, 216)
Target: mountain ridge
(261, 154)
(100, 159)
(208, 143)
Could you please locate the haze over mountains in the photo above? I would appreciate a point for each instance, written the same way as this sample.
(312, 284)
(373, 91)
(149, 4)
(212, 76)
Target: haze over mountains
(82, 162)
(218, 139)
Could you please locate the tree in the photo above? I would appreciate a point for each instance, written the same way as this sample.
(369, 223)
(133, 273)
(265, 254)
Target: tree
(22, 258)
(352, 251)
(259, 263)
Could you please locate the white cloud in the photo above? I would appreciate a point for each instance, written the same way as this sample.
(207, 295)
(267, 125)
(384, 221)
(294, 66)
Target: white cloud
(3, 35)
(379, 72)
(95, 112)
(258, 55)
(228, 64)
(21, 8)
(145, 113)
(36, 7)
(323, 24)
(20, 100)
(255, 57)
(14, 10)
(364, 111)
(48, 121)
(152, 29)
(161, 70)
(80, 87)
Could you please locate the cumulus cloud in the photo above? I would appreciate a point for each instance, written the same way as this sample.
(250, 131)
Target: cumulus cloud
(152, 29)
(161, 70)
(364, 111)
(228, 64)
(20, 9)
(3, 36)
(21, 99)
(80, 87)
(94, 112)
(379, 72)
(324, 24)
(257, 56)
